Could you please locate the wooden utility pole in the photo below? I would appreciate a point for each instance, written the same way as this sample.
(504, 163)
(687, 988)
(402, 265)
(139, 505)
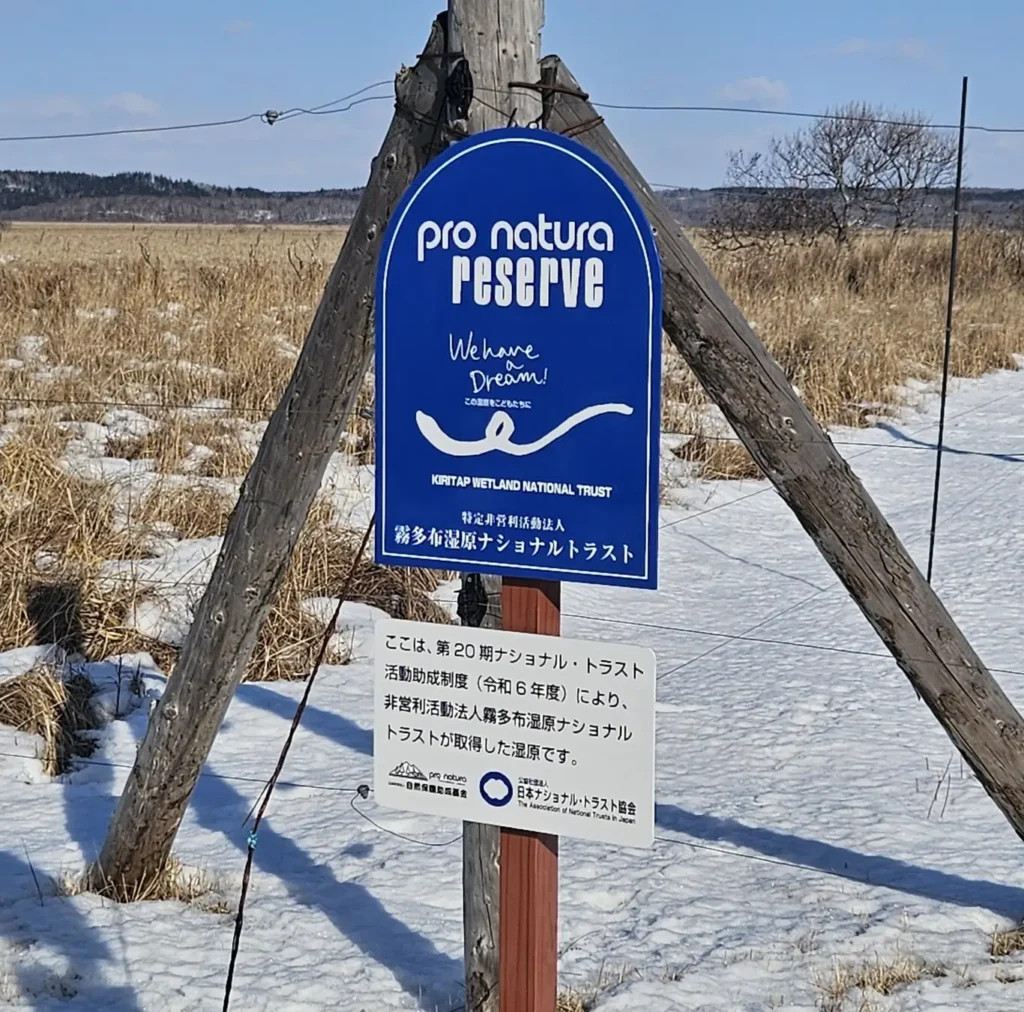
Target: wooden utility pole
(492, 43)
(282, 483)
(481, 843)
(815, 481)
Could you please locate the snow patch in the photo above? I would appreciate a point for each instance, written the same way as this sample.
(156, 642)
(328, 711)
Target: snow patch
(31, 348)
(124, 423)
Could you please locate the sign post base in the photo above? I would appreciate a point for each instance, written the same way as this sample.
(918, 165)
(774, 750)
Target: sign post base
(528, 932)
(528, 920)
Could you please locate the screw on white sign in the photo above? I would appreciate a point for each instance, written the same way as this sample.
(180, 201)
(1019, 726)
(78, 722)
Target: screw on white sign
(519, 730)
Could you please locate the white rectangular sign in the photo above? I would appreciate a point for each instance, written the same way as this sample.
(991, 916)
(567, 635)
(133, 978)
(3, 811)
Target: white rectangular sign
(515, 729)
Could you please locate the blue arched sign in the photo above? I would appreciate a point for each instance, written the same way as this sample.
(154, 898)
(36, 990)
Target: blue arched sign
(518, 367)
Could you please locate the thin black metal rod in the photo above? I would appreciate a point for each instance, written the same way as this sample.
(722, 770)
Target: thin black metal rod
(949, 326)
(264, 800)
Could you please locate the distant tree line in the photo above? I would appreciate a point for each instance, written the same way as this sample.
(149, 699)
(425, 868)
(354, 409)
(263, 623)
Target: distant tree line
(142, 196)
(830, 179)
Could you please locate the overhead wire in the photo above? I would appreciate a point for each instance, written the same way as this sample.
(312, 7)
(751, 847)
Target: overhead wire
(269, 117)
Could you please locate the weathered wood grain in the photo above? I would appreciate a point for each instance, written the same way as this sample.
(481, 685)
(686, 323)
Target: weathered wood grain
(275, 498)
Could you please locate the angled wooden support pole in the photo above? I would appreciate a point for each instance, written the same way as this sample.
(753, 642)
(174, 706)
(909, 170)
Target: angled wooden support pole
(815, 481)
(275, 498)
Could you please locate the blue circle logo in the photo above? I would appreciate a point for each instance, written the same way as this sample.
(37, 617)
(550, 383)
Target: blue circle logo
(496, 789)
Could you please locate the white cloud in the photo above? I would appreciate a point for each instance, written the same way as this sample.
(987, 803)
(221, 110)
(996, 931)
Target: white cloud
(853, 47)
(755, 89)
(237, 27)
(132, 103)
(905, 50)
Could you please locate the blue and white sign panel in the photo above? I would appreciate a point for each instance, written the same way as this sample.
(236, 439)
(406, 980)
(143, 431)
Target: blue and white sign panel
(518, 367)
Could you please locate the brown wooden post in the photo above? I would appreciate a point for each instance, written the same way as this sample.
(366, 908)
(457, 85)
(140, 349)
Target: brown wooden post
(814, 480)
(529, 861)
(491, 44)
(480, 605)
(275, 498)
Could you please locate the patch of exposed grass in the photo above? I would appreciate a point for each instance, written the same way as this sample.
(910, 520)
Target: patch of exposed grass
(192, 511)
(851, 981)
(718, 457)
(57, 708)
(290, 640)
(176, 882)
(586, 998)
(1006, 942)
(56, 531)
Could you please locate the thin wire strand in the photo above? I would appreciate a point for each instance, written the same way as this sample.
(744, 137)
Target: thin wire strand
(797, 114)
(269, 117)
(133, 130)
(836, 117)
(401, 836)
(768, 641)
(268, 791)
(323, 108)
(209, 775)
(331, 112)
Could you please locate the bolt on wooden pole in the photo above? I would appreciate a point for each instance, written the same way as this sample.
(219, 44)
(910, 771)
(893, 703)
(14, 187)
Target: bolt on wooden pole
(491, 43)
(814, 480)
(529, 861)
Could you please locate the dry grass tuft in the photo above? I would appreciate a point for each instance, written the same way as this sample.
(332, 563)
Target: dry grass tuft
(176, 882)
(57, 709)
(851, 980)
(56, 530)
(290, 640)
(586, 999)
(195, 511)
(1005, 943)
(718, 457)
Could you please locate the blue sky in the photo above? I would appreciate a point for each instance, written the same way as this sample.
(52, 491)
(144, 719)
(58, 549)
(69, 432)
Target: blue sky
(68, 65)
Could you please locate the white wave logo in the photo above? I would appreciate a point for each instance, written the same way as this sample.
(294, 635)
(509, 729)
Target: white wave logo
(498, 434)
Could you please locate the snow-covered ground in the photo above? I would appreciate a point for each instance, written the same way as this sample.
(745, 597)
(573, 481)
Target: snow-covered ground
(810, 809)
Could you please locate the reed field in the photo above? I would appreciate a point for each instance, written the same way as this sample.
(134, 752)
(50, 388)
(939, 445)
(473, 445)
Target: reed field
(138, 366)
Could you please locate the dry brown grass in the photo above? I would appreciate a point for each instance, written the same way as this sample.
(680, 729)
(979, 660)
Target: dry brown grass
(849, 326)
(54, 707)
(1006, 942)
(191, 511)
(176, 883)
(56, 530)
(586, 998)
(852, 981)
(717, 457)
(290, 640)
(197, 329)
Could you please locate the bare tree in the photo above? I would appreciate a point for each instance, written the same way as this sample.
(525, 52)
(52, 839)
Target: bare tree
(911, 161)
(856, 165)
(759, 210)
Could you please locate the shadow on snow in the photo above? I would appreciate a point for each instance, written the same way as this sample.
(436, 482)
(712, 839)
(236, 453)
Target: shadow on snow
(868, 869)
